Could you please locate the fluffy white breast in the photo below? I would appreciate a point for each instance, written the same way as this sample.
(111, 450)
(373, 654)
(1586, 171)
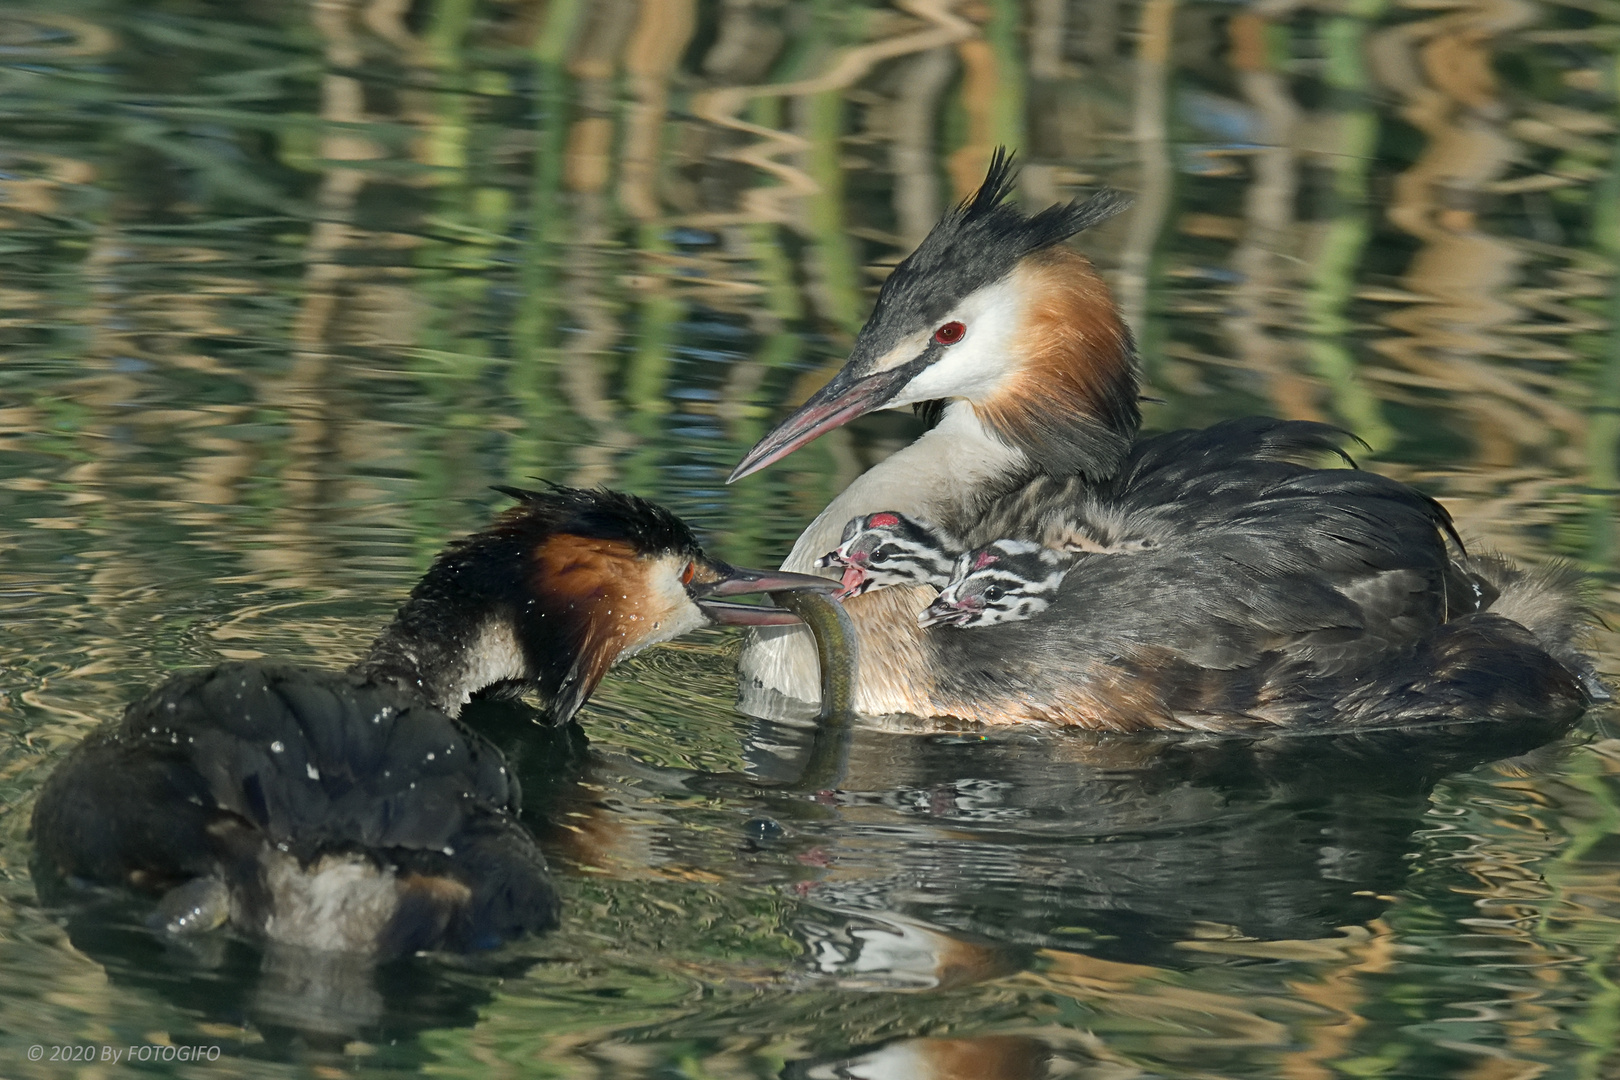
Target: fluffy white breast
(941, 468)
(340, 903)
(494, 656)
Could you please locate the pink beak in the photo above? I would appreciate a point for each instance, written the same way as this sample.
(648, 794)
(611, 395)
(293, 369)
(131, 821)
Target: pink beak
(739, 581)
(839, 402)
(854, 582)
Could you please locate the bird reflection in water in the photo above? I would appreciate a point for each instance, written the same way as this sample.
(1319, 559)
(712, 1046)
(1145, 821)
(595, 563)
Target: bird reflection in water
(1124, 847)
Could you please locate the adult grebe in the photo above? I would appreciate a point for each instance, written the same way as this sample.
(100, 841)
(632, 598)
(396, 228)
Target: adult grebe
(1249, 588)
(350, 810)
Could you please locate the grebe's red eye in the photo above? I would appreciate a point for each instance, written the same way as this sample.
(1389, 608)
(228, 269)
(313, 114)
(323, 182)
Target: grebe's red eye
(688, 573)
(950, 333)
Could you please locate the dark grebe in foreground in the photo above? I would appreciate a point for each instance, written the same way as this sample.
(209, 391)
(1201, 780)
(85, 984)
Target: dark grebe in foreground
(350, 810)
(1259, 591)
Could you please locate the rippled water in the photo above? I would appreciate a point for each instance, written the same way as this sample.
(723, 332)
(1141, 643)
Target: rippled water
(284, 287)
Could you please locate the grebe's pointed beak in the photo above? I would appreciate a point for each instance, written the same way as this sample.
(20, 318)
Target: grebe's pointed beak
(737, 581)
(839, 402)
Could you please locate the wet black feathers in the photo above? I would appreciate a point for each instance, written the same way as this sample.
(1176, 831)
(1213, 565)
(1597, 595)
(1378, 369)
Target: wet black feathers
(511, 891)
(212, 770)
(120, 810)
(599, 514)
(319, 761)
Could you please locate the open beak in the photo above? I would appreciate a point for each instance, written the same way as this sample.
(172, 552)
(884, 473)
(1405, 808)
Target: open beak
(839, 402)
(855, 582)
(737, 581)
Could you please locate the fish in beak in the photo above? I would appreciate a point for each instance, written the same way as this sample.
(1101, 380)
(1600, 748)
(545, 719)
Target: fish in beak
(737, 581)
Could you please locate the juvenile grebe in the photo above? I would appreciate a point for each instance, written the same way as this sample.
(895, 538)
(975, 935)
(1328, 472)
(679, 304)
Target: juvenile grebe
(1273, 593)
(884, 549)
(350, 810)
(1003, 581)
(1007, 581)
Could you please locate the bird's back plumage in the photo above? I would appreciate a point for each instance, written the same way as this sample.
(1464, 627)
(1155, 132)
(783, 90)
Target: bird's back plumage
(1251, 588)
(245, 771)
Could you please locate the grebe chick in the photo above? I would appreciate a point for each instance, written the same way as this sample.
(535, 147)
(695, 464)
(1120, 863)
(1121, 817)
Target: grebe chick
(351, 810)
(888, 548)
(1007, 581)
(884, 549)
(1239, 585)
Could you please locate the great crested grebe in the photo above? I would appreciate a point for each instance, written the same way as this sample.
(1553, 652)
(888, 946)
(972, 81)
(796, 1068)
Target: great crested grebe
(1234, 584)
(351, 810)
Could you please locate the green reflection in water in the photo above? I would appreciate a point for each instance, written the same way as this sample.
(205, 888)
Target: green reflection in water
(282, 290)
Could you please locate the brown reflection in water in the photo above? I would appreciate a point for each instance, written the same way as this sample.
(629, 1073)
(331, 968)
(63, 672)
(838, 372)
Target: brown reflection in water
(722, 107)
(816, 151)
(1459, 313)
(1263, 305)
(655, 47)
(308, 394)
(1149, 132)
(988, 1057)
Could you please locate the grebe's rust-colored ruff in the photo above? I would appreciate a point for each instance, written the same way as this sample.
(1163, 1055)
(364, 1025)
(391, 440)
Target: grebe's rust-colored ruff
(1227, 582)
(1075, 357)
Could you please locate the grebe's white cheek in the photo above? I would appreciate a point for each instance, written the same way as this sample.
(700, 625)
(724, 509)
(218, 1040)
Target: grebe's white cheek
(979, 364)
(666, 608)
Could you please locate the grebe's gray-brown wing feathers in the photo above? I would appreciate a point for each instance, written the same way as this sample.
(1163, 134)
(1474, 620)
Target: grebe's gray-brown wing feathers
(1270, 591)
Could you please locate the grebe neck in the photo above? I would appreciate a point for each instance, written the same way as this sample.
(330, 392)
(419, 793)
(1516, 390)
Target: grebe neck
(447, 667)
(942, 478)
(459, 631)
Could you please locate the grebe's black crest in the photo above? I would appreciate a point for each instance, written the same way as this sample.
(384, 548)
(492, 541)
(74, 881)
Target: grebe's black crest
(977, 243)
(599, 514)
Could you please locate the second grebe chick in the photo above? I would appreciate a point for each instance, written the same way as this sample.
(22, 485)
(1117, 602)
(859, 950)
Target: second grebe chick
(351, 811)
(1007, 581)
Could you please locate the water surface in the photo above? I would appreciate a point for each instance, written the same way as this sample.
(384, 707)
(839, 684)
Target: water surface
(285, 287)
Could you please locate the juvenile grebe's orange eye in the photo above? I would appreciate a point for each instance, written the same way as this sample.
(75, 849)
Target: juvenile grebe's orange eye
(950, 333)
(688, 573)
